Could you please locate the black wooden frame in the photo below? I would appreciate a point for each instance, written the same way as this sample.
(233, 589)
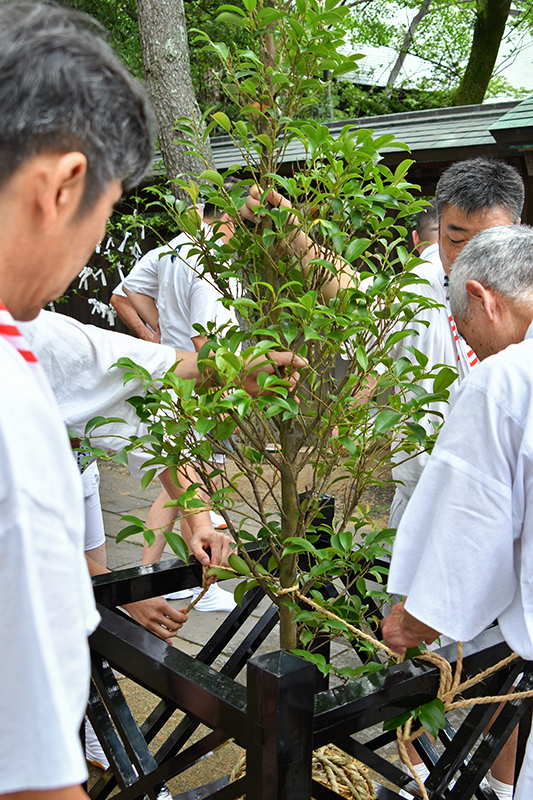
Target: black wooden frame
(280, 716)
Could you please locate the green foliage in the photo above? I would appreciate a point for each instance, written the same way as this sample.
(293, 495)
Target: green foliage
(119, 18)
(442, 40)
(327, 277)
(430, 716)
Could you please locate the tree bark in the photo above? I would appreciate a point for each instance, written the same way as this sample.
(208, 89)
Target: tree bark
(417, 19)
(488, 32)
(167, 72)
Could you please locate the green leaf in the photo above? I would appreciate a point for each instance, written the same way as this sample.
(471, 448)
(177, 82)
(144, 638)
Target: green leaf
(120, 458)
(221, 573)
(431, 716)
(395, 722)
(149, 537)
(362, 358)
(223, 120)
(356, 248)
(130, 530)
(133, 520)
(298, 545)
(147, 478)
(445, 378)
(231, 19)
(213, 176)
(238, 564)
(385, 420)
(177, 545)
(345, 539)
(241, 589)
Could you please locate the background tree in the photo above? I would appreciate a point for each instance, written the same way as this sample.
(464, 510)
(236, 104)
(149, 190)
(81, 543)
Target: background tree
(457, 43)
(167, 71)
(489, 27)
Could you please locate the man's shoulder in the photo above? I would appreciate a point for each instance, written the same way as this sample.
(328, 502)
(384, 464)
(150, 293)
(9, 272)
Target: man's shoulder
(507, 377)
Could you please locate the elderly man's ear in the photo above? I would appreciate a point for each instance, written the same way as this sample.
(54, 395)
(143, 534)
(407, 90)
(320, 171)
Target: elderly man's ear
(485, 299)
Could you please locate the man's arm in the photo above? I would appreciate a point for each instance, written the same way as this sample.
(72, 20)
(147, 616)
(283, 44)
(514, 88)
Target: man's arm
(67, 793)
(400, 630)
(145, 307)
(302, 246)
(129, 317)
(154, 613)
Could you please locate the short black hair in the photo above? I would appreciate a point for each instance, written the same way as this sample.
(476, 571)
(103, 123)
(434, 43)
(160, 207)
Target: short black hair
(427, 222)
(63, 89)
(212, 211)
(481, 184)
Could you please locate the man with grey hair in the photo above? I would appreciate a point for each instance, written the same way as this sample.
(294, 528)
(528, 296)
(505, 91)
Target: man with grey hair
(473, 505)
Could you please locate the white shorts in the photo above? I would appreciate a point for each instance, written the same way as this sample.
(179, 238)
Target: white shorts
(94, 521)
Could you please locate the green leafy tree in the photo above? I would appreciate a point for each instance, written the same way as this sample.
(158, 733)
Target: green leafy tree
(291, 446)
(458, 42)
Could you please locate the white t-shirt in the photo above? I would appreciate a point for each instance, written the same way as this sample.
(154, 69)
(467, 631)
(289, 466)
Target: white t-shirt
(119, 290)
(78, 359)
(171, 275)
(437, 341)
(45, 593)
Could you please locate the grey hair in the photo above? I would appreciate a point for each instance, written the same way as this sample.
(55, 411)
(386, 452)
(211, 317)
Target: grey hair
(499, 258)
(481, 184)
(63, 89)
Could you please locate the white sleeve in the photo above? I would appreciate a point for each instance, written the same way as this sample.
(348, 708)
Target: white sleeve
(205, 304)
(119, 290)
(454, 550)
(78, 361)
(45, 592)
(143, 278)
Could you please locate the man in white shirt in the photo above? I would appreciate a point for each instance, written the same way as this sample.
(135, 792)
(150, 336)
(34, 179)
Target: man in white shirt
(471, 195)
(426, 234)
(473, 506)
(75, 128)
(169, 292)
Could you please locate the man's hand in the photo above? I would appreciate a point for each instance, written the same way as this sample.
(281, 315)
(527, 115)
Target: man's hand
(158, 616)
(298, 242)
(285, 364)
(400, 630)
(253, 201)
(209, 547)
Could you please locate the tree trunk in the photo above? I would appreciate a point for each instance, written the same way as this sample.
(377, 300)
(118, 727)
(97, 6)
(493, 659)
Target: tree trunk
(406, 45)
(488, 31)
(167, 72)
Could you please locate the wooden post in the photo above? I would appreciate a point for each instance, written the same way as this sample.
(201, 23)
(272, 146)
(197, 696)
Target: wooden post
(279, 727)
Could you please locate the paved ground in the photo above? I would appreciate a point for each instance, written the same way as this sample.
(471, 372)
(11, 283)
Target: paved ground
(120, 495)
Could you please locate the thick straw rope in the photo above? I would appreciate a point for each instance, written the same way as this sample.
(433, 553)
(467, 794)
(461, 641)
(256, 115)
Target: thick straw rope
(333, 768)
(449, 687)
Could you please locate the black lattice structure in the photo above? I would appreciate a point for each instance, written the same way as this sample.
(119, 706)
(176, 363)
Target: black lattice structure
(283, 713)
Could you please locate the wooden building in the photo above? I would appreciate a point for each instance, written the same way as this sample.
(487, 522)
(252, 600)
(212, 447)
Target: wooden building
(436, 137)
